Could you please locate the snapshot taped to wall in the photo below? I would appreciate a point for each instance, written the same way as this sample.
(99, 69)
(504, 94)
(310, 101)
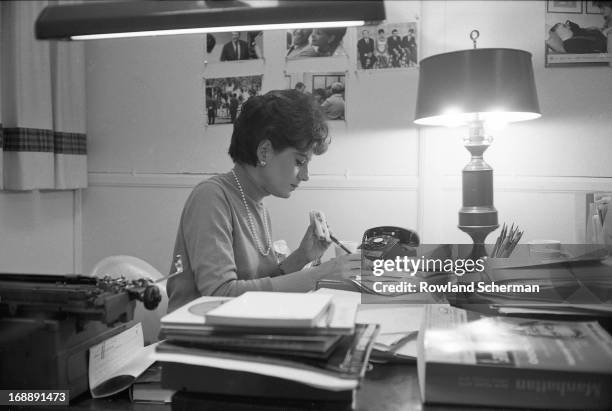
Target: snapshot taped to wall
(328, 90)
(315, 42)
(234, 46)
(578, 34)
(386, 46)
(226, 95)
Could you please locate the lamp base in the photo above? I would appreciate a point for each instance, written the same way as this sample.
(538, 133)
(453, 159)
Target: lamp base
(478, 216)
(478, 234)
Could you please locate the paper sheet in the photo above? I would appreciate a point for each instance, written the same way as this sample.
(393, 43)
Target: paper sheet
(115, 363)
(396, 320)
(393, 318)
(408, 349)
(345, 305)
(386, 341)
(342, 295)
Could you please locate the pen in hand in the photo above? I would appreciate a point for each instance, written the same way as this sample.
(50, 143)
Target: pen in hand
(335, 240)
(321, 229)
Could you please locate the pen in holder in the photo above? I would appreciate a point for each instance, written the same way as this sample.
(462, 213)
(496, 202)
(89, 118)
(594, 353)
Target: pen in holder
(506, 242)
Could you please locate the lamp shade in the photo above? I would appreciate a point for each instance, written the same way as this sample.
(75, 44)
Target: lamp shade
(486, 84)
(137, 18)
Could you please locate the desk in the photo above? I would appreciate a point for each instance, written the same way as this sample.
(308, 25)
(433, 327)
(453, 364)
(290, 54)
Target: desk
(387, 387)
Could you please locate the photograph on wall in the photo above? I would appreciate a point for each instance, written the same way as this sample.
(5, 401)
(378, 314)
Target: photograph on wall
(234, 46)
(578, 39)
(387, 46)
(328, 90)
(226, 95)
(561, 6)
(317, 42)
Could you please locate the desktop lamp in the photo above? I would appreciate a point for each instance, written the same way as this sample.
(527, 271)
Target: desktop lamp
(476, 88)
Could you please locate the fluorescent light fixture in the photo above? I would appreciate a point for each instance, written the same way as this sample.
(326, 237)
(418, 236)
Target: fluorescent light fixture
(202, 30)
(97, 20)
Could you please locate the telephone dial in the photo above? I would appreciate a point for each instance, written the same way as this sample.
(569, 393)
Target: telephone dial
(388, 242)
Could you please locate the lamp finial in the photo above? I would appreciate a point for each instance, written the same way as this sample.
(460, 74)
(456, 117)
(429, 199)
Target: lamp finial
(474, 34)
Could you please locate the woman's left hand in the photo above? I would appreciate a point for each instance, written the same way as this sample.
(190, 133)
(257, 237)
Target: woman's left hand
(311, 246)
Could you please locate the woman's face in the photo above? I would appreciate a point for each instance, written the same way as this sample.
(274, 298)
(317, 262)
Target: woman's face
(320, 38)
(606, 11)
(285, 170)
(300, 36)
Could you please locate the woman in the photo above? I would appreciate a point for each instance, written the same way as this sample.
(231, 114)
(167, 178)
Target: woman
(225, 237)
(381, 51)
(328, 41)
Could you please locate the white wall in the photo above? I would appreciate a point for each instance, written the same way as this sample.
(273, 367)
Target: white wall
(148, 132)
(148, 145)
(40, 232)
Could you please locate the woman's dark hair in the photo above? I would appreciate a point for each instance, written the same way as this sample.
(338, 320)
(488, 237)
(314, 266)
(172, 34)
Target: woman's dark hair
(287, 118)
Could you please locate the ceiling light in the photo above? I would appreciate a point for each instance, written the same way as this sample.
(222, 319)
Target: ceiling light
(97, 20)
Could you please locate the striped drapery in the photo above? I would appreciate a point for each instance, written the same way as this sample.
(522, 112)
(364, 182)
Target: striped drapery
(42, 105)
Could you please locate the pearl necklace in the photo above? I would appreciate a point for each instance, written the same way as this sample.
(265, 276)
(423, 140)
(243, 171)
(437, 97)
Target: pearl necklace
(252, 229)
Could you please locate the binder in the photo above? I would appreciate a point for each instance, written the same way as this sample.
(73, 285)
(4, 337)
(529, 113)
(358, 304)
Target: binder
(217, 381)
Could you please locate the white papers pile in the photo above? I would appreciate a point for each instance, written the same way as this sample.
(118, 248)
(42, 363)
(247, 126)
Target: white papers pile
(399, 326)
(115, 363)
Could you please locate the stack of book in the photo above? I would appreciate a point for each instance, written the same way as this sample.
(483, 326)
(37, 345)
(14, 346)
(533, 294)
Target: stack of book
(263, 345)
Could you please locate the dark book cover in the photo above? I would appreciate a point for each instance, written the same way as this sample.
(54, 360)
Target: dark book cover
(217, 381)
(148, 387)
(467, 358)
(187, 401)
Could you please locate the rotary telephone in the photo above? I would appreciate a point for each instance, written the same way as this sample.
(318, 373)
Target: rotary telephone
(388, 242)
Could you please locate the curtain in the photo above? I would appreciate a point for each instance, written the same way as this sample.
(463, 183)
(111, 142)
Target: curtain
(42, 104)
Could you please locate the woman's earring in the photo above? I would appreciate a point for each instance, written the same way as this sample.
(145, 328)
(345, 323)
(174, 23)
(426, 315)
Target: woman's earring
(262, 163)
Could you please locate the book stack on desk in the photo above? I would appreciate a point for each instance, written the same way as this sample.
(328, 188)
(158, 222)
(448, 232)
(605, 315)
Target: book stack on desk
(267, 346)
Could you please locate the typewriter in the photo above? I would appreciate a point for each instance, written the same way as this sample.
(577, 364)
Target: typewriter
(49, 322)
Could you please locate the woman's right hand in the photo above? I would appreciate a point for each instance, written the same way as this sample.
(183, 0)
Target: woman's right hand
(340, 268)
